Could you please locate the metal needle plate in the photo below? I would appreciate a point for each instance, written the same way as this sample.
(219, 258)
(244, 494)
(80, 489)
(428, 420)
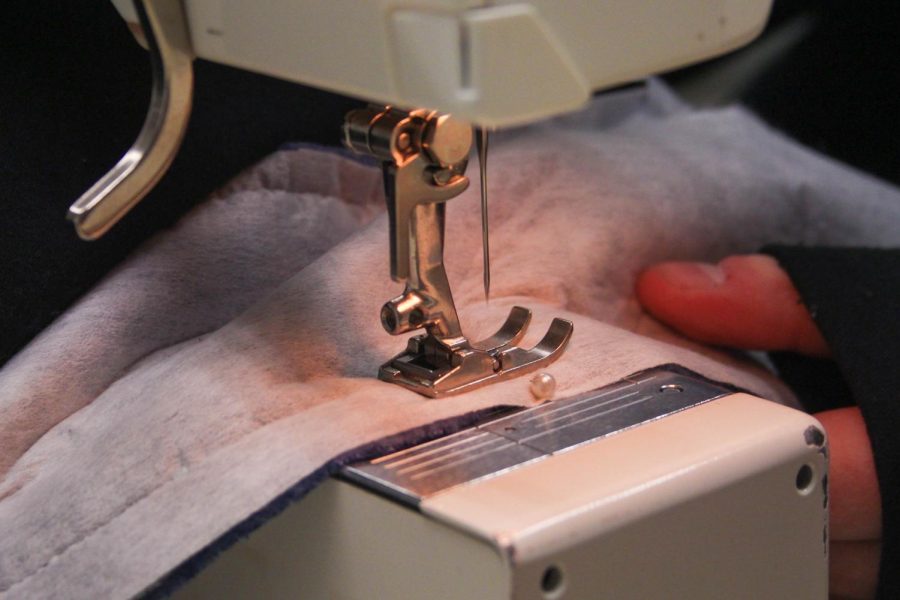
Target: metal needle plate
(533, 434)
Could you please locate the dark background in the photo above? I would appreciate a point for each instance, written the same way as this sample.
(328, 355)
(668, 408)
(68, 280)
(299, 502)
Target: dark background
(75, 88)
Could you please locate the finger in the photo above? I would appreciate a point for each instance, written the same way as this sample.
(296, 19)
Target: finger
(853, 570)
(744, 302)
(854, 497)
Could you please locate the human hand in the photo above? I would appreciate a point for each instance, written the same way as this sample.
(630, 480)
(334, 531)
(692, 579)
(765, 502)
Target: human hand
(749, 302)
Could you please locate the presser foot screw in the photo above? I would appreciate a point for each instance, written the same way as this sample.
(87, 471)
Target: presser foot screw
(543, 386)
(404, 141)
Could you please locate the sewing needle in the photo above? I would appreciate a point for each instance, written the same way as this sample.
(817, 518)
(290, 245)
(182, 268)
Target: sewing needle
(481, 143)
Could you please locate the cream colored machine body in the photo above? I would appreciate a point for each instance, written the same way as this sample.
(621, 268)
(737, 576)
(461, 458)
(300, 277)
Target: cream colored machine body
(490, 62)
(659, 486)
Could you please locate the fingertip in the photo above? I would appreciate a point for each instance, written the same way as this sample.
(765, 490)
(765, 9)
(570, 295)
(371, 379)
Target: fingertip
(743, 301)
(681, 276)
(665, 290)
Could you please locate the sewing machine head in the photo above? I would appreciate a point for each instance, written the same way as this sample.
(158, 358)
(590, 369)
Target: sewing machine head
(492, 63)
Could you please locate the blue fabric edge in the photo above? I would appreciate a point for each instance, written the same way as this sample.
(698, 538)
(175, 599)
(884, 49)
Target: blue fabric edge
(189, 569)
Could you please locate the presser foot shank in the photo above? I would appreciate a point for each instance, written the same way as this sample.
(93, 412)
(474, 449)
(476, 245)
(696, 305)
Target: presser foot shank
(434, 368)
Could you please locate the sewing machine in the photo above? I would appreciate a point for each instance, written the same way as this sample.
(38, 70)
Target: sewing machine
(660, 485)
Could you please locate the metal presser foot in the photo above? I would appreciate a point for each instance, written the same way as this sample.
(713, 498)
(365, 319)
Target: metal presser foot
(424, 156)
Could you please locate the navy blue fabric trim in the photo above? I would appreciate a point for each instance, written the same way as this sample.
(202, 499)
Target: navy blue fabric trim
(196, 563)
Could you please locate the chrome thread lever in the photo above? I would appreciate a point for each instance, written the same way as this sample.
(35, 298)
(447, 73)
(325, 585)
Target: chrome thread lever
(164, 29)
(424, 156)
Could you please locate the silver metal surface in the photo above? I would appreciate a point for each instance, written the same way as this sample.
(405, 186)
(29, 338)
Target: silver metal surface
(533, 434)
(165, 30)
(424, 157)
(481, 142)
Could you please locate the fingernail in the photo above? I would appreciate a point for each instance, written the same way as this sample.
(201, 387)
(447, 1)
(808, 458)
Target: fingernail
(692, 275)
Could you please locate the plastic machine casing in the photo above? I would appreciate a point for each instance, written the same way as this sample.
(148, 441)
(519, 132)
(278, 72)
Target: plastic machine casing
(659, 486)
(494, 63)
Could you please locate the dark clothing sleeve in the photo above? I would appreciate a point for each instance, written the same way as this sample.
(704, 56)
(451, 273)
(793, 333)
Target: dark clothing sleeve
(853, 294)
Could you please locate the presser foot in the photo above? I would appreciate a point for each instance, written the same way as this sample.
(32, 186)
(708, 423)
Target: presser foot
(436, 368)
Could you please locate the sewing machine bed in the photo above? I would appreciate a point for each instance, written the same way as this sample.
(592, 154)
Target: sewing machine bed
(228, 366)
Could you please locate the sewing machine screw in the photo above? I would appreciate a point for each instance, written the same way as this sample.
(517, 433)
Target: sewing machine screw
(404, 141)
(543, 386)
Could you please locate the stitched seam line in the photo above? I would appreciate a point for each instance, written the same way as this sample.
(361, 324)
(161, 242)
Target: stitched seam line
(78, 542)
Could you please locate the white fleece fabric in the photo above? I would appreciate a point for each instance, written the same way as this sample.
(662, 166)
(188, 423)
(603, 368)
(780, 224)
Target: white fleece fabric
(235, 354)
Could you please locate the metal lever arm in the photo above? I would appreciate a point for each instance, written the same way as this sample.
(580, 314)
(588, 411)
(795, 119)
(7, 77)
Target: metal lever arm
(165, 29)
